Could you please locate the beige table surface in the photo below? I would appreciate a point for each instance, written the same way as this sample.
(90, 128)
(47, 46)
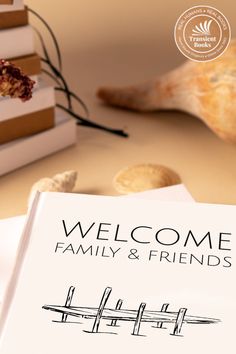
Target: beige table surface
(121, 42)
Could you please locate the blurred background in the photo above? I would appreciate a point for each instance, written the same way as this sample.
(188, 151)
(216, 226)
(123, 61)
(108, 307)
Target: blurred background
(117, 43)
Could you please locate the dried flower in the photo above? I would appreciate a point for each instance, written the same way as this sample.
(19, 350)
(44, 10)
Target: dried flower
(14, 83)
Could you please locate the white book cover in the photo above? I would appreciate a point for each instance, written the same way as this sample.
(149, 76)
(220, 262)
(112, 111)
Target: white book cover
(16, 42)
(43, 97)
(110, 274)
(17, 5)
(23, 151)
(11, 229)
(178, 193)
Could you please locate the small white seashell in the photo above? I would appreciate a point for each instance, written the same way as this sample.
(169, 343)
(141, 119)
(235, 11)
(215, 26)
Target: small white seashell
(62, 182)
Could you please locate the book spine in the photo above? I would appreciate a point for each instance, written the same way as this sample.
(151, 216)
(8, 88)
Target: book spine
(40, 145)
(6, 2)
(14, 19)
(16, 42)
(29, 124)
(30, 64)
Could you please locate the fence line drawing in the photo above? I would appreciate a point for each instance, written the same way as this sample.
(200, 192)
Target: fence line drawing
(118, 314)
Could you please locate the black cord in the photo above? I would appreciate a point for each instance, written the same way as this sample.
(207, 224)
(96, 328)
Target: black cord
(52, 35)
(89, 123)
(73, 95)
(60, 76)
(57, 77)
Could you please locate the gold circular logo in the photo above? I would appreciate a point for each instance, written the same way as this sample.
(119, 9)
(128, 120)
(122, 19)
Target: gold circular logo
(202, 33)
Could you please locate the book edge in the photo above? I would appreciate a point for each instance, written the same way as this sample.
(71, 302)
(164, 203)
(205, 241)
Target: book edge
(21, 251)
(55, 146)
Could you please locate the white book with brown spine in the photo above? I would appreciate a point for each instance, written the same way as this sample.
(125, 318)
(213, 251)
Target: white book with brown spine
(26, 150)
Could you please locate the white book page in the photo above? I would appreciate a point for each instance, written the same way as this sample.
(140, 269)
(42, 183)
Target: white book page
(172, 265)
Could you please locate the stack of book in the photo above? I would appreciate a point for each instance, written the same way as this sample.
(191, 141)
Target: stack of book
(32, 129)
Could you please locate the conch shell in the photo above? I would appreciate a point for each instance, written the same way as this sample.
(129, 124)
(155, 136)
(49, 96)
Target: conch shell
(62, 182)
(206, 90)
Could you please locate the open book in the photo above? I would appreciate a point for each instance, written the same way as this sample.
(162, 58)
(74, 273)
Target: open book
(123, 275)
